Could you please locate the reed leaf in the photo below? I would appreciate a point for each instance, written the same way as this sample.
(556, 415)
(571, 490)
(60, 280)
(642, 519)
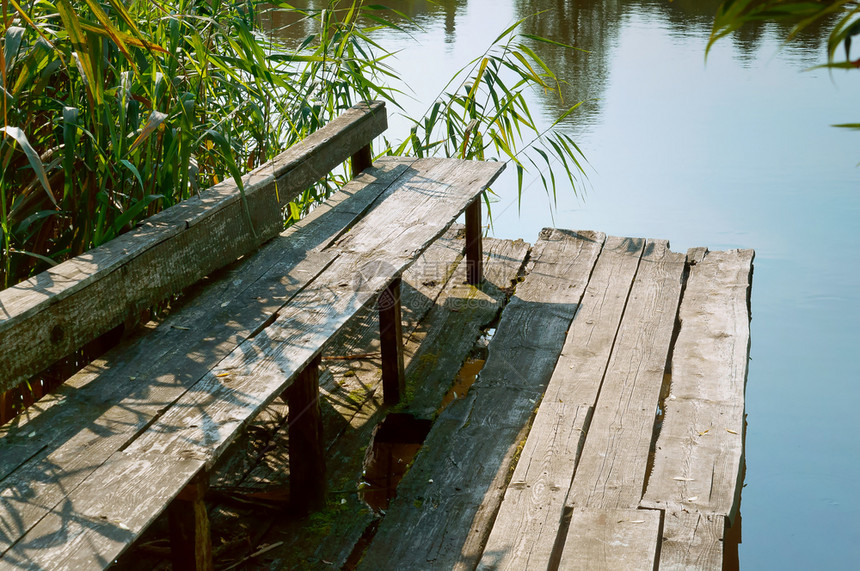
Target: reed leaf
(129, 106)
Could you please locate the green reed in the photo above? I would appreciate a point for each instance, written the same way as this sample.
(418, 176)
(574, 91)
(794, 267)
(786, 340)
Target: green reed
(115, 109)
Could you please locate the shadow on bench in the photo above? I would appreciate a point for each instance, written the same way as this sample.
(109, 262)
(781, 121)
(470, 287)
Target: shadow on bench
(84, 471)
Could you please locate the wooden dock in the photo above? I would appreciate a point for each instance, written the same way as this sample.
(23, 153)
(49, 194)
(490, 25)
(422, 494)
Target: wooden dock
(373, 388)
(604, 431)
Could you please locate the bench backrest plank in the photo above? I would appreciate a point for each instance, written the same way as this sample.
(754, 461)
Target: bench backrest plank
(57, 312)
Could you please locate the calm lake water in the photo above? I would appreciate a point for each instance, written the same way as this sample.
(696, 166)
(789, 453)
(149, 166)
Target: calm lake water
(735, 152)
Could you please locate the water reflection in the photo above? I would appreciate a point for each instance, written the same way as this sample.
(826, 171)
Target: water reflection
(413, 15)
(594, 26)
(591, 26)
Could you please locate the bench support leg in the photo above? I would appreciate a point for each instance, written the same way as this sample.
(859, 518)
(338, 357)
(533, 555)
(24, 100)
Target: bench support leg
(190, 540)
(307, 452)
(391, 341)
(360, 160)
(474, 250)
(9, 404)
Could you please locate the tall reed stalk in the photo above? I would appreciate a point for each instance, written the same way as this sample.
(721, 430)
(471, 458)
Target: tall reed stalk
(115, 109)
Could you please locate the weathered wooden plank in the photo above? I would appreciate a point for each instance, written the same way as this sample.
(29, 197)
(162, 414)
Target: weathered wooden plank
(611, 470)
(61, 309)
(351, 407)
(536, 320)
(206, 419)
(151, 367)
(95, 524)
(347, 386)
(526, 528)
(352, 404)
(612, 539)
(430, 191)
(697, 462)
(692, 541)
(585, 355)
(524, 532)
(455, 323)
(431, 363)
(219, 316)
(100, 409)
(452, 492)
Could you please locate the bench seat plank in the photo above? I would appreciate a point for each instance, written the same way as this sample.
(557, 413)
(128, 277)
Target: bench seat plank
(91, 527)
(51, 315)
(207, 418)
(62, 439)
(157, 365)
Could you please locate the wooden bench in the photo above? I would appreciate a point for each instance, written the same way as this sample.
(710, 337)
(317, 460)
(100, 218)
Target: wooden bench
(85, 470)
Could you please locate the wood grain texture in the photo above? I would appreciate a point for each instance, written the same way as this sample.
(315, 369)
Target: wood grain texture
(452, 492)
(432, 361)
(61, 309)
(430, 192)
(697, 463)
(207, 418)
(453, 325)
(611, 470)
(692, 541)
(62, 440)
(351, 407)
(525, 529)
(96, 523)
(530, 515)
(610, 540)
(209, 431)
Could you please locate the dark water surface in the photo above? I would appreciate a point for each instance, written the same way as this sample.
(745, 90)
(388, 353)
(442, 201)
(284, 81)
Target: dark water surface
(735, 152)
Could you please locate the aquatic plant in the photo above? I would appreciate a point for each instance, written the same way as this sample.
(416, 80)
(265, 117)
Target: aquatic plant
(114, 110)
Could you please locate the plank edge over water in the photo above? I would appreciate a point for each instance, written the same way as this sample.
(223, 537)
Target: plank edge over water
(699, 454)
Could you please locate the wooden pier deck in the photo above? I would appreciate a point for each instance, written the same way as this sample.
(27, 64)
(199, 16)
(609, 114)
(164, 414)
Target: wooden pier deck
(604, 431)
